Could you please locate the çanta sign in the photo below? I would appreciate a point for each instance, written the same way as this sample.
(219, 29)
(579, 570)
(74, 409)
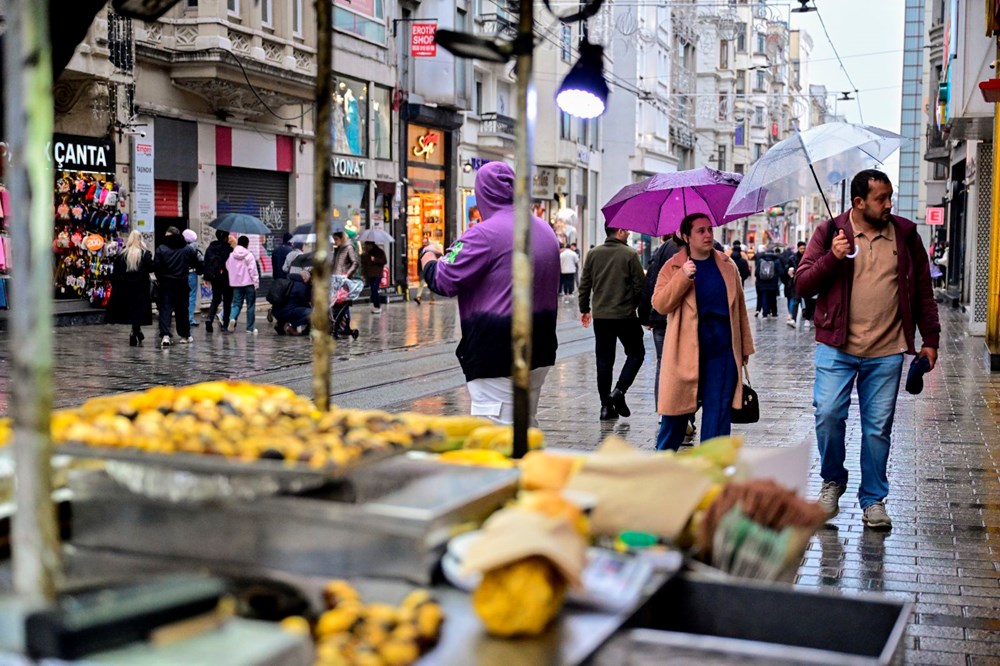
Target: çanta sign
(422, 44)
(82, 153)
(935, 216)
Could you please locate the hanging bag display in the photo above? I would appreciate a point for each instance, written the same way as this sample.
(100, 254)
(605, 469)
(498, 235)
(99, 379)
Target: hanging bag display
(750, 411)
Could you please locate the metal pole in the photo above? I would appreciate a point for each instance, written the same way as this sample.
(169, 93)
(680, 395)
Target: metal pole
(29, 120)
(322, 168)
(993, 302)
(521, 321)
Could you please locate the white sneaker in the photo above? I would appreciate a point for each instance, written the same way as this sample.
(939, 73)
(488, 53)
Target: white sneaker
(252, 331)
(790, 322)
(165, 342)
(377, 311)
(806, 324)
(186, 341)
(232, 325)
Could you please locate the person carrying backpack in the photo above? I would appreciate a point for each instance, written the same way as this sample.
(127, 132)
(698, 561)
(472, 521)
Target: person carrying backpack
(217, 276)
(767, 270)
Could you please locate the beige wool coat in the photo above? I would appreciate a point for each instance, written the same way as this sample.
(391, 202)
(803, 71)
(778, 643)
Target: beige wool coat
(674, 297)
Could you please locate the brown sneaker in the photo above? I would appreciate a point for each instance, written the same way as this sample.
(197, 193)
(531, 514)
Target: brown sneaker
(876, 517)
(829, 497)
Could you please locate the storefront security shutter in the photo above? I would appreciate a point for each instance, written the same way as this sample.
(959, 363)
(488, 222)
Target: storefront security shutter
(263, 194)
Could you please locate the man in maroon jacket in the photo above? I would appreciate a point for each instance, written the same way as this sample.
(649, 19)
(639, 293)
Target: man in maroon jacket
(872, 276)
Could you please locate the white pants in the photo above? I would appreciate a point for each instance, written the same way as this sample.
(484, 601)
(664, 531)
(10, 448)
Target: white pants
(494, 397)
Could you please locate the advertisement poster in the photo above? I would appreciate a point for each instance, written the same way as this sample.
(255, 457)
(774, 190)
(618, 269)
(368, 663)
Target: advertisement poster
(143, 200)
(472, 214)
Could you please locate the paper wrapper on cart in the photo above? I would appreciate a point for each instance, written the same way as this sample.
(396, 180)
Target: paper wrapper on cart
(514, 534)
(635, 490)
(787, 466)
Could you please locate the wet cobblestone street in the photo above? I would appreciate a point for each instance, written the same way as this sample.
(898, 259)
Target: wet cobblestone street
(943, 469)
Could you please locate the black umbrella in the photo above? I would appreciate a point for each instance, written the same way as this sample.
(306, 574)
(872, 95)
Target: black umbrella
(240, 223)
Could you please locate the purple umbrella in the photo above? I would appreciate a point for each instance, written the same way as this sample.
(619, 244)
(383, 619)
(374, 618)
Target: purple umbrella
(656, 205)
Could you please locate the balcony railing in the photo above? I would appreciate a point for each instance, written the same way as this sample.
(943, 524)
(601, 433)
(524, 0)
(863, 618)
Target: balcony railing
(498, 24)
(495, 124)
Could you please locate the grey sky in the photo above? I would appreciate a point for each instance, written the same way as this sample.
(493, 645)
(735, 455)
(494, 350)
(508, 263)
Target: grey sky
(859, 27)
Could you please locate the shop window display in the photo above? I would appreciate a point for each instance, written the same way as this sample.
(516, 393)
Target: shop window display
(90, 229)
(350, 206)
(382, 122)
(424, 219)
(348, 119)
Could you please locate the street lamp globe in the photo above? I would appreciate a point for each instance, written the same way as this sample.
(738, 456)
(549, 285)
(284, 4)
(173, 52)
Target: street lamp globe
(584, 92)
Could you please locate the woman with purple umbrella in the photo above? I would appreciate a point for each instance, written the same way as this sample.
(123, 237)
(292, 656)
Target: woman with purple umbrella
(708, 340)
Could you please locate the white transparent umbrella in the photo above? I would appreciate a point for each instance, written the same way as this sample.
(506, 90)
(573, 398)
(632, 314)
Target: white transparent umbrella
(819, 157)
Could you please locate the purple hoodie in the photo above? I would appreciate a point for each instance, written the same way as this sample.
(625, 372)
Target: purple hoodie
(478, 269)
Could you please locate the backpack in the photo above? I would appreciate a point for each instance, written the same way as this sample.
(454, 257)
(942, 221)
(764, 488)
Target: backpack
(767, 270)
(279, 291)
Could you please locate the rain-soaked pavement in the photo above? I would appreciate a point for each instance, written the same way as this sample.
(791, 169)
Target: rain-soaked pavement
(943, 469)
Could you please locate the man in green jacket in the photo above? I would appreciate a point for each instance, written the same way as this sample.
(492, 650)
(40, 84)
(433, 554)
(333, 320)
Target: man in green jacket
(613, 275)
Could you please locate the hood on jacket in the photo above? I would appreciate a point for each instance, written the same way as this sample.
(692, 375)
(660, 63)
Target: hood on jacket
(174, 242)
(242, 253)
(494, 188)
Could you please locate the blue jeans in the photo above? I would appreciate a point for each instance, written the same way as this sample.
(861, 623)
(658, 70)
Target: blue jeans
(193, 298)
(716, 388)
(793, 306)
(878, 386)
(376, 291)
(249, 294)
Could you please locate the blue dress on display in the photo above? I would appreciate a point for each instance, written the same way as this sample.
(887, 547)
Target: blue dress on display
(352, 126)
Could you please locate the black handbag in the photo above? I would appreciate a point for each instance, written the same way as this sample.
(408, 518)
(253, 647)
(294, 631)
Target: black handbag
(749, 412)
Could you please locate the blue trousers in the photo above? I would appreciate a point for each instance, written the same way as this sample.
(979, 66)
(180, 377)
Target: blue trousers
(248, 294)
(193, 297)
(716, 387)
(878, 387)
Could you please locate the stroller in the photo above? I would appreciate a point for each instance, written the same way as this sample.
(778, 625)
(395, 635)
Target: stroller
(343, 291)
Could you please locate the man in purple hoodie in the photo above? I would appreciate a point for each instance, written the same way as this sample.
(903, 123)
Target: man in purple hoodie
(478, 269)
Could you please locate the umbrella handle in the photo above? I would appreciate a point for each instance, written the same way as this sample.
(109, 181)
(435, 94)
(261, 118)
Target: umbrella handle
(853, 254)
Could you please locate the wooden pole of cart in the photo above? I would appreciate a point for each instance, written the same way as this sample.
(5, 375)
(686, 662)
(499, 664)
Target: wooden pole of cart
(523, 267)
(27, 93)
(321, 340)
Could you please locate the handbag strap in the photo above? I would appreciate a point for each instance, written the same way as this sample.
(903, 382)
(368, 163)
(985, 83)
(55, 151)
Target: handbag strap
(746, 375)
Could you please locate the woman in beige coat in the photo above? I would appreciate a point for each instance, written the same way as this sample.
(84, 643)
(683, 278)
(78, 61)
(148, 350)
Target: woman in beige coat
(708, 338)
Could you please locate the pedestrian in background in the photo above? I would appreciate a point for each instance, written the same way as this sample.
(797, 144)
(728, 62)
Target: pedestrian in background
(245, 281)
(741, 262)
(130, 301)
(373, 261)
(569, 262)
(610, 292)
(707, 341)
(293, 313)
(279, 255)
(172, 263)
(649, 317)
(867, 312)
(217, 276)
(479, 271)
(428, 252)
(191, 238)
(789, 266)
(767, 272)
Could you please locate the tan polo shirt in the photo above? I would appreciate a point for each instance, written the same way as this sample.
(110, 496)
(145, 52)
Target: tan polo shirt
(874, 327)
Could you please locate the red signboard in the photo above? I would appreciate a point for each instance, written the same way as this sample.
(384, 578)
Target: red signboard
(422, 44)
(935, 216)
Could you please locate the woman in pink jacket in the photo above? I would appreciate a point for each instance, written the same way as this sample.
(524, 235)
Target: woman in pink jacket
(245, 280)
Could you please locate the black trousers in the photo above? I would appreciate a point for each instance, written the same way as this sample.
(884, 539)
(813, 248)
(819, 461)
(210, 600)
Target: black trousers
(770, 304)
(174, 296)
(221, 293)
(567, 281)
(607, 333)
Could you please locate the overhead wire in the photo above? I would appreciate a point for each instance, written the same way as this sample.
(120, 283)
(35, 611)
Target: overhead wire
(843, 68)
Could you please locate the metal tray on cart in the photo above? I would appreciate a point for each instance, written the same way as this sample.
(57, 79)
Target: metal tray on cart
(192, 477)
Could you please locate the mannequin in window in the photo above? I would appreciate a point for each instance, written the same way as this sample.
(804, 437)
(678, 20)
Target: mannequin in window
(352, 123)
(337, 125)
(381, 130)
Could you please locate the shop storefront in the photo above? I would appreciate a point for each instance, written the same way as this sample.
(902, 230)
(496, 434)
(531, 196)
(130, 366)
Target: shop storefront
(174, 170)
(426, 213)
(91, 222)
(263, 194)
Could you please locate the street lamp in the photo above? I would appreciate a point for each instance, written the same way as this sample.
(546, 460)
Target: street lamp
(804, 7)
(584, 92)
